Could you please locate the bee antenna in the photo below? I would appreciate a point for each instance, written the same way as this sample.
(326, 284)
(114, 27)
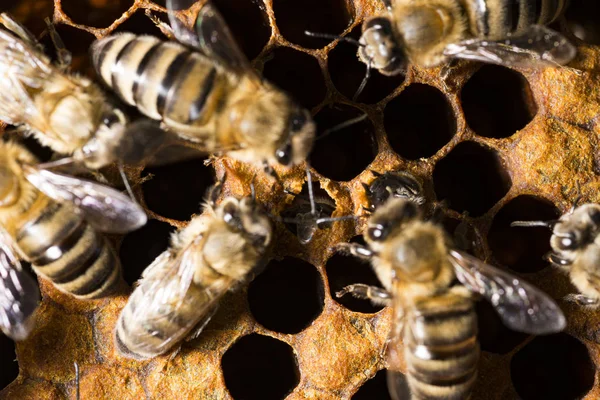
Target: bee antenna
(342, 125)
(77, 395)
(126, 182)
(334, 37)
(334, 219)
(56, 163)
(363, 83)
(532, 224)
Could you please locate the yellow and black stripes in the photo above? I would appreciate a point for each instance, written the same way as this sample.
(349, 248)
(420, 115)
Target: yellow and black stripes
(65, 249)
(441, 348)
(165, 80)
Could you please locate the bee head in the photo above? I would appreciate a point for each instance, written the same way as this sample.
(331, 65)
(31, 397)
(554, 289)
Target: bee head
(100, 150)
(249, 219)
(390, 217)
(299, 137)
(396, 184)
(577, 229)
(380, 47)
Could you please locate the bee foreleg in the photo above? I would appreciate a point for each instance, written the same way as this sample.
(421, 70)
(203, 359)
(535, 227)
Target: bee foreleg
(356, 250)
(582, 300)
(163, 26)
(197, 330)
(64, 56)
(375, 294)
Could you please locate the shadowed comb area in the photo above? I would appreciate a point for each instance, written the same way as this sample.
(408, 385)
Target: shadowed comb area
(491, 145)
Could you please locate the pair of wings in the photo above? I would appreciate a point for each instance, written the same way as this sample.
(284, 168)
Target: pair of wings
(211, 36)
(520, 305)
(103, 207)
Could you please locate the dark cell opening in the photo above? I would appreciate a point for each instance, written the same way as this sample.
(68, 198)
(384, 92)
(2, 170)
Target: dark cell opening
(494, 336)
(374, 388)
(471, 178)
(96, 13)
(522, 249)
(141, 247)
(8, 5)
(8, 363)
(582, 20)
(140, 24)
(554, 367)
(287, 296)
(248, 22)
(298, 74)
(497, 102)
(347, 73)
(260, 368)
(177, 190)
(419, 121)
(343, 270)
(345, 153)
(77, 42)
(322, 16)
(300, 211)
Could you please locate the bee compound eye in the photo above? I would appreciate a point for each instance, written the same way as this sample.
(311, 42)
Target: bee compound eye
(283, 154)
(377, 233)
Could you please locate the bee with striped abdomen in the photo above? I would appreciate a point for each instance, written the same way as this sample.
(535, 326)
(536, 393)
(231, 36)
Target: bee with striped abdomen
(206, 92)
(398, 184)
(575, 243)
(435, 320)
(431, 32)
(51, 220)
(179, 292)
(66, 112)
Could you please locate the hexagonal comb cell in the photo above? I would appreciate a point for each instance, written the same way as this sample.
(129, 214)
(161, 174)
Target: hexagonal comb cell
(287, 296)
(374, 388)
(419, 121)
(493, 335)
(471, 178)
(260, 367)
(582, 22)
(8, 362)
(497, 102)
(96, 13)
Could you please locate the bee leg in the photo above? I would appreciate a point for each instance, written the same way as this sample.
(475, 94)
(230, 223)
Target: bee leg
(375, 294)
(13, 26)
(64, 56)
(356, 250)
(197, 330)
(163, 26)
(215, 191)
(582, 300)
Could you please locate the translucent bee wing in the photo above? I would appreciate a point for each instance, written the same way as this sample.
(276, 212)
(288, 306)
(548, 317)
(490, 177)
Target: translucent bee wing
(538, 46)
(105, 208)
(398, 385)
(521, 306)
(19, 293)
(212, 35)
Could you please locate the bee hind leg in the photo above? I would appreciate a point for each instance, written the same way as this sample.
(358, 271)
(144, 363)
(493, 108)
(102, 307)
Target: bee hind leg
(356, 250)
(64, 56)
(377, 295)
(582, 300)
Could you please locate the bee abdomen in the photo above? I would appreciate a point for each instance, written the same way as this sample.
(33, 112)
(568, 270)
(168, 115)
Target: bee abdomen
(496, 18)
(442, 349)
(65, 249)
(164, 80)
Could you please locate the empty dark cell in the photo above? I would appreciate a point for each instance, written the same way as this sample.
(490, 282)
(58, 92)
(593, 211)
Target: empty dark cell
(374, 388)
(582, 20)
(177, 190)
(141, 247)
(419, 121)
(343, 270)
(298, 74)
(9, 5)
(554, 367)
(248, 22)
(497, 102)
(42, 153)
(522, 249)
(260, 368)
(494, 336)
(140, 24)
(347, 73)
(97, 13)
(77, 42)
(287, 296)
(345, 153)
(322, 16)
(471, 178)
(8, 362)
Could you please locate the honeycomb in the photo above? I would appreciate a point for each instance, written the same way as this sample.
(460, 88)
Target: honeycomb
(496, 144)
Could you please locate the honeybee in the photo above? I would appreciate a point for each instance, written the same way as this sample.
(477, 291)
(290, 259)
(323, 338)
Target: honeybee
(51, 219)
(206, 92)
(434, 319)
(66, 112)
(398, 184)
(179, 292)
(576, 249)
(431, 32)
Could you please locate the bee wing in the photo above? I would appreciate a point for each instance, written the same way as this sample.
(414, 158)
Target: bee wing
(521, 306)
(212, 35)
(105, 208)
(397, 385)
(538, 46)
(19, 293)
